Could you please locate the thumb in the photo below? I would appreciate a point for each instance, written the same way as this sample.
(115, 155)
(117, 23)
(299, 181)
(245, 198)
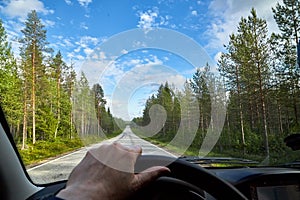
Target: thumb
(149, 175)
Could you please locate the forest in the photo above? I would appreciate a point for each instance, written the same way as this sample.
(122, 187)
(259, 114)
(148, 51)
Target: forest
(260, 73)
(39, 91)
(45, 105)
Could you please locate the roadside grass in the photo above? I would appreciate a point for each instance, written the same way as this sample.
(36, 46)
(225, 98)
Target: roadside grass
(276, 158)
(43, 150)
(195, 152)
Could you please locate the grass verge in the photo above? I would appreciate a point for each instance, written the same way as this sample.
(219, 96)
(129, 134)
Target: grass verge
(44, 150)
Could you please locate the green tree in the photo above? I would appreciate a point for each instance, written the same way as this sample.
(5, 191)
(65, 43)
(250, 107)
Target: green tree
(287, 17)
(230, 69)
(10, 84)
(256, 52)
(165, 99)
(247, 66)
(33, 45)
(200, 89)
(100, 102)
(187, 104)
(69, 87)
(58, 66)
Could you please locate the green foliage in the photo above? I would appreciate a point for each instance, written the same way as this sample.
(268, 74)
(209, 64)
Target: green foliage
(42, 150)
(261, 75)
(10, 83)
(43, 101)
(262, 80)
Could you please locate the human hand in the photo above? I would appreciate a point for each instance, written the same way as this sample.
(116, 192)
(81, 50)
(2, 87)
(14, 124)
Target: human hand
(107, 172)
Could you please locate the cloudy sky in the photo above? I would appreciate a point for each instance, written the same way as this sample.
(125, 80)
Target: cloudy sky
(88, 32)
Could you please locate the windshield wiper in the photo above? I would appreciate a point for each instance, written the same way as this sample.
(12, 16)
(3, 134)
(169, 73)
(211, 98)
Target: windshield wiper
(215, 160)
(295, 164)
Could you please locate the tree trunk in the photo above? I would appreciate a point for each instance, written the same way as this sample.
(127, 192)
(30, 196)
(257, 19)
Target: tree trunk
(295, 106)
(58, 102)
(33, 101)
(24, 138)
(280, 118)
(241, 110)
(264, 115)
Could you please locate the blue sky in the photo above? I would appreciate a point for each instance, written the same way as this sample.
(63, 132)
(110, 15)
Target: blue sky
(77, 27)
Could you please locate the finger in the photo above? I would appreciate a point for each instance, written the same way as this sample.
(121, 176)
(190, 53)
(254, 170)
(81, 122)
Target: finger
(134, 149)
(149, 175)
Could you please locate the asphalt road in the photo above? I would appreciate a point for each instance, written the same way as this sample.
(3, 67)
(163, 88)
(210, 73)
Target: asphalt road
(60, 168)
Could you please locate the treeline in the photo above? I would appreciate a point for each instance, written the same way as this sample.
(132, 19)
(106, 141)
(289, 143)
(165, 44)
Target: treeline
(261, 74)
(42, 96)
(186, 115)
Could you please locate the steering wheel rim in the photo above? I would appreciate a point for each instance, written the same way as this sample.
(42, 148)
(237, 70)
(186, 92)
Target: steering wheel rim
(192, 174)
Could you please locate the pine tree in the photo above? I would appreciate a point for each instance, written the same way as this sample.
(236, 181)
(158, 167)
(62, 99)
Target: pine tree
(247, 66)
(189, 113)
(199, 85)
(58, 67)
(100, 103)
(10, 84)
(33, 45)
(287, 17)
(69, 87)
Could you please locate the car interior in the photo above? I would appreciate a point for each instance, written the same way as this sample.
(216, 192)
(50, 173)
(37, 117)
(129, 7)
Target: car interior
(208, 88)
(188, 180)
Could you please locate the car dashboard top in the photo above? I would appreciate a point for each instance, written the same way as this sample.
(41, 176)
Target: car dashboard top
(255, 183)
(263, 182)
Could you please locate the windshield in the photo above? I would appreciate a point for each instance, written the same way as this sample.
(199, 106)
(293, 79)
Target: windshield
(213, 82)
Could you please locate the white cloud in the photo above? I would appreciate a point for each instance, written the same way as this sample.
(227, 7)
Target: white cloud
(176, 80)
(86, 43)
(68, 42)
(129, 75)
(194, 13)
(143, 79)
(59, 37)
(48, 23)
(84, 3)
(151, 19)
(70, 55)
(226, 15)
(124, 51)
(100, 56)
(20, 8)
(77, 49)
(88, 51)
(147, 19)
(79, 57)
(69, 2)
(84, 26)
(89, 40)
(217, 57)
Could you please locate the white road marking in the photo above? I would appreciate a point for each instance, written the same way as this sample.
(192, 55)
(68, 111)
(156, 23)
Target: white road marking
(56, 159)
(60, 168)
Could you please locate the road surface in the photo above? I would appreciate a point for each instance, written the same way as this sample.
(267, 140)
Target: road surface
(60, 168)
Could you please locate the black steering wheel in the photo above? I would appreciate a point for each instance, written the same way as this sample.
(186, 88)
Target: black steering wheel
(186, 181)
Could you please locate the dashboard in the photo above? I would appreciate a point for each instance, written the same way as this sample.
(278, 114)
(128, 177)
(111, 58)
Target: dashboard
(263, 183)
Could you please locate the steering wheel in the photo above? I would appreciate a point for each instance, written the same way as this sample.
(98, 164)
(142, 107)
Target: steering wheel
(186, 181)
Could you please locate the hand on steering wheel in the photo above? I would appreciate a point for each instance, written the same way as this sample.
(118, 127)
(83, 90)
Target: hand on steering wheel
(186, 181)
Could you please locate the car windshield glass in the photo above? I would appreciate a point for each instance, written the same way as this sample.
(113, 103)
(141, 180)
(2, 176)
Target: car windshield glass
(212, 82)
